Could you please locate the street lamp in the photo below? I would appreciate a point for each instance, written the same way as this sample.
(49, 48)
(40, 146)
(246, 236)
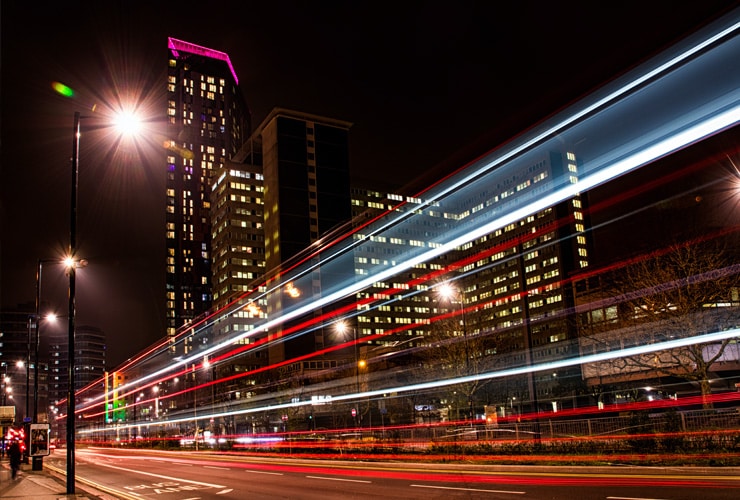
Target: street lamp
(28, 385)
(6, 393)
(19, 366)
(125, 126)
(448, 292)
(342, 327)
(136, 420)
(51, 317)
(71, 308)
(155, 390)
(36, 321)
(6, 388)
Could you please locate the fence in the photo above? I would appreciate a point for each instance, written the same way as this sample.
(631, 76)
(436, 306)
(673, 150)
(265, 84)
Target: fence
(551, 427)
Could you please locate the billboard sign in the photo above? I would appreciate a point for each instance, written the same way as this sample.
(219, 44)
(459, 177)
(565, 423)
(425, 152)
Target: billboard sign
(40, 440)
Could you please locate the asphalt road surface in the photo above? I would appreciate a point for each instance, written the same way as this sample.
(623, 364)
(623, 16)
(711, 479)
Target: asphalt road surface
(145, 474)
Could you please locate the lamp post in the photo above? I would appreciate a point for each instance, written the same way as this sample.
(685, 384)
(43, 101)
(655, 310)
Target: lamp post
(127, 123)
(71, 316)
(37, 461)
(194, 378)
(41, 263)
(36, 346)
(155, 391)
(26, 418)
(341, 328)
(5, 382)
(8, 392)
(33, 322)
(448, 292)
(4, 386)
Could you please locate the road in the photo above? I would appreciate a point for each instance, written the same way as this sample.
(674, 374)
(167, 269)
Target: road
(140, 474)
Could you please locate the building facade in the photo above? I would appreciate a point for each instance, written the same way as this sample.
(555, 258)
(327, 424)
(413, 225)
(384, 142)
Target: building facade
(511, 298)
(208, 121)
(286, 187)
(90, 350)
(18, 364)
(305, 162)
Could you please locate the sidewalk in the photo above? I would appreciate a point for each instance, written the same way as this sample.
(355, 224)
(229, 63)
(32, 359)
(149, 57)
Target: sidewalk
(41, 485)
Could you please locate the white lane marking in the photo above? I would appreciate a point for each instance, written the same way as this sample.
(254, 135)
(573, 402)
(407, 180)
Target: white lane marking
(228, 490)
(164, 477)
(263, 472)
(214, 467)
(339, 479)
(467, 489)
(632, 498)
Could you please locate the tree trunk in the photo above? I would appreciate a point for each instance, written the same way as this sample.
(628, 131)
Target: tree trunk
(706, 391)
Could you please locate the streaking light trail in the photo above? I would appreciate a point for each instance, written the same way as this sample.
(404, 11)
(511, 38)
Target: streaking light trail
(554, 365)
(469, 205)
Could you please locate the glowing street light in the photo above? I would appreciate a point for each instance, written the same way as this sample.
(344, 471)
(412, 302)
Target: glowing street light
(342, 327)
(35, 322)
(7, 390)
(448, 292)
(125, 124)
(155, 390)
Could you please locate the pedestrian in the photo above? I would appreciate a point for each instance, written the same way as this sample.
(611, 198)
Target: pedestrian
(15, 457)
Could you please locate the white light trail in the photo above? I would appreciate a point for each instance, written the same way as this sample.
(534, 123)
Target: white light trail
(689, 136)
(553, 365)
(707, 115)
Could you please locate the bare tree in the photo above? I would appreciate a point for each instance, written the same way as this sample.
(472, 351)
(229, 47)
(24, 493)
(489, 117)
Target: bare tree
(459, 346)
(682, 291)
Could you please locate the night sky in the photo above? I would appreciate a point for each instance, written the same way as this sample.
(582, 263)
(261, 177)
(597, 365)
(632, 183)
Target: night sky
(427, 85)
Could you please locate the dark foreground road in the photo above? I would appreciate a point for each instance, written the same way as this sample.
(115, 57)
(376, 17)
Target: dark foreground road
(129, 474)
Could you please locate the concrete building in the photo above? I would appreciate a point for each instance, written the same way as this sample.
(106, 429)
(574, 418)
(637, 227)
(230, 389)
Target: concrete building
(17, 363)
(90, 367)
(238, 247)
(285, 188)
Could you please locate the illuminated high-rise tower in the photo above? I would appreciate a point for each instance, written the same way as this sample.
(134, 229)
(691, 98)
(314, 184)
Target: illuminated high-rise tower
(208, 121)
